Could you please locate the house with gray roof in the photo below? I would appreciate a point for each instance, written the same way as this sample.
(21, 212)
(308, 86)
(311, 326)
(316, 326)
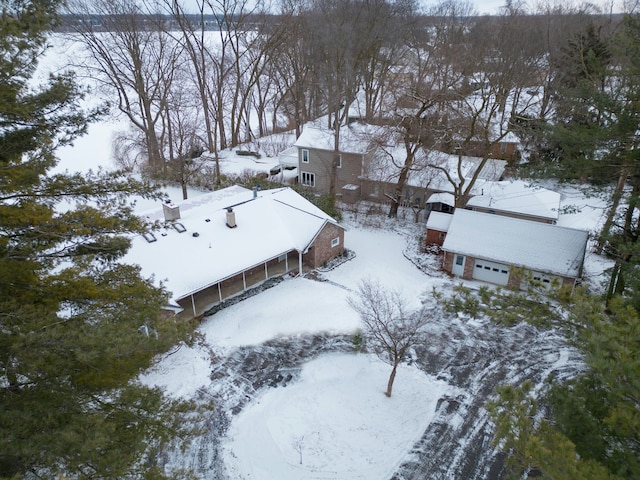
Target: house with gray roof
(519, 199)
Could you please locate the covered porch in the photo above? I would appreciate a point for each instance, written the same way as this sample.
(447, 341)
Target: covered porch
(197, 303)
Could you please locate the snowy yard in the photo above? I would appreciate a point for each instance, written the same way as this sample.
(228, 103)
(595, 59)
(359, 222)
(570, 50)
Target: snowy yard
(294, 398)
(283, 370)
(334, 414)
(288, 384)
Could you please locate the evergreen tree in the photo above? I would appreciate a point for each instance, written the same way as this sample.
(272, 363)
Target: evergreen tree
(594, 135)
(590, 427)
(577, 132)
(76, 326)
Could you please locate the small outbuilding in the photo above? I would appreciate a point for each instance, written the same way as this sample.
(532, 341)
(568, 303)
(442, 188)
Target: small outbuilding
(437, 227)
(509, 251)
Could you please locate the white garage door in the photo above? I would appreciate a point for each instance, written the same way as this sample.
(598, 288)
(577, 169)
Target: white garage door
(491, 272)
(540, 279)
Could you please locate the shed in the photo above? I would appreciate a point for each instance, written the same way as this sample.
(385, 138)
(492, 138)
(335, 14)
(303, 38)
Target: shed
(437, 227)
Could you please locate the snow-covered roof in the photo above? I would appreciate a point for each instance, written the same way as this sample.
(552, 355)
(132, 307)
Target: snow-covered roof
(354, 138)
(269, 225)
(442, 197)
(288, 157)
(439, 221)
(428, 166)
(387, 156)
(518, 197)
(534, 245)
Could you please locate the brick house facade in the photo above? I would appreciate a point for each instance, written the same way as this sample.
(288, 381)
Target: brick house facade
(328, 244)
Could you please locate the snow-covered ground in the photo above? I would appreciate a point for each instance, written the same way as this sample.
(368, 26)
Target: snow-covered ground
(329, 417)
(295, 398)
(350, 428)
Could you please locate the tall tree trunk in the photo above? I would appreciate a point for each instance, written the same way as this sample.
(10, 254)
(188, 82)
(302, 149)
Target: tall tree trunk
(611, 215)
(392, 377)
(617, 282)
(402, 178)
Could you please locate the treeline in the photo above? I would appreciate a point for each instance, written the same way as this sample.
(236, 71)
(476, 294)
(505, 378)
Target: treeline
(70, 23)
(188, 88)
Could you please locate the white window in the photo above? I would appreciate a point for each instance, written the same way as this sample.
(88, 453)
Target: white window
(335, 242)
(308, 179)
(305, 156)
(339, 161)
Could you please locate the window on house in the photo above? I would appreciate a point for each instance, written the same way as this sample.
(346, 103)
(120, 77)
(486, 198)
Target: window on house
(459, 259)
(308, 179)
(339, 161)
(335, 242)
(305, 156)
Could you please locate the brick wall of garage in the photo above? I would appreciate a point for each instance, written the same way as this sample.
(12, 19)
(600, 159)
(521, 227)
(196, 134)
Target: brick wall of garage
(468, 264)
(447, 263)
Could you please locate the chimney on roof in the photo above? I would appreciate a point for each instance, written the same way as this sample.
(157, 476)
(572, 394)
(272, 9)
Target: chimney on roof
(171, 211)
(231, 218)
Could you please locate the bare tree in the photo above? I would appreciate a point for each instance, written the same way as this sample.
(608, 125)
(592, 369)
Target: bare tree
(389, 324)
(292, 66)
(181, 120)
(435, 63)
(192, 35)
(473, 80)
(134, 61)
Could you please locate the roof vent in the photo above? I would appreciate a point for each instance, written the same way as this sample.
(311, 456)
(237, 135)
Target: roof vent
(231, 218)
(178, 227)
(171, 211)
